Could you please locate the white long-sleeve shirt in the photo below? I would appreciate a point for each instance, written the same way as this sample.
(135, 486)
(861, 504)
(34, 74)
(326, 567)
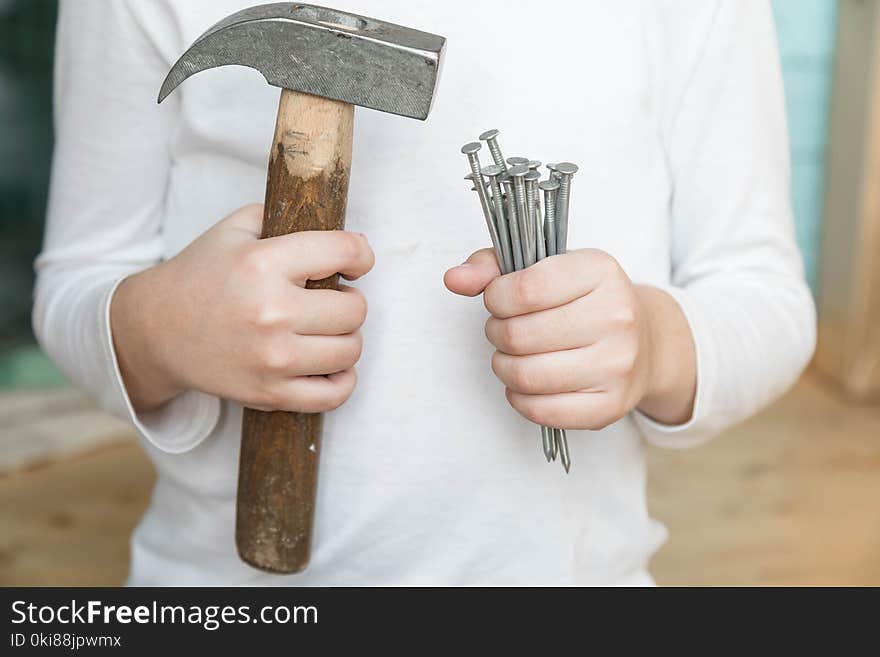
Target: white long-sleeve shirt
(673, 109)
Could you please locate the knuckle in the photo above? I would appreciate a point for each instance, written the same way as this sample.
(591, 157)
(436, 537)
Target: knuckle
(490, 298)
(601, 258)
(337, 395)
(496, 365)
(359, 309)
(540, 413)
(369, 255)
(527, 289)
(353, 351)
(273, 359)
(270, 398)
(624, 316)
(255, 261)
(619, 364)
(544, 415)
(350, 246)
(522, 378)
(616, 407)
(267, 315)
(490, 332)
(601, 262)
(628, 362)
(326, 403)
(512, 336)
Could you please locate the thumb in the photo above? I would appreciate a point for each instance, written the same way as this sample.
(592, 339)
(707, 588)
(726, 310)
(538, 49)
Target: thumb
(471, 278)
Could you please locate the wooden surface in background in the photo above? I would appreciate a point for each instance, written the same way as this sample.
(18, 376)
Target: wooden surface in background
(68, 523)
(848, 348)
(790, 497)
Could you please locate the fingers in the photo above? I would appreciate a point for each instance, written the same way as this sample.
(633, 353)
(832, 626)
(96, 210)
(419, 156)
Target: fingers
(315, 255)
(572, 410)
(310, 394)
(329, 312)
(577, 324)
(311, 355)
(472, 277)
(554, 372)
(325, 354)
(549, 283)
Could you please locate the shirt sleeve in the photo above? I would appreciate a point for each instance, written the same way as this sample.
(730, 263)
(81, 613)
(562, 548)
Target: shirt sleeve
(109, 178)
(736, 270)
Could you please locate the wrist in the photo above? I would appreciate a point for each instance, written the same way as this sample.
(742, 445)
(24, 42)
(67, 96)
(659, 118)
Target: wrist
(671, 380)
(136, 330)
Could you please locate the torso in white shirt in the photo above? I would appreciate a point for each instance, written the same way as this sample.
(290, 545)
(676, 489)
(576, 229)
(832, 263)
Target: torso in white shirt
(427, 475)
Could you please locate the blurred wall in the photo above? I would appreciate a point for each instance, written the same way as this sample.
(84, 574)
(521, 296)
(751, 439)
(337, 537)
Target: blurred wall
(806, 29)
(806, 44)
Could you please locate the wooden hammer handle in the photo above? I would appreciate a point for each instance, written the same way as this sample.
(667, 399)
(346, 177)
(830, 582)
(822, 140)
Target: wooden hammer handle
(307, 189)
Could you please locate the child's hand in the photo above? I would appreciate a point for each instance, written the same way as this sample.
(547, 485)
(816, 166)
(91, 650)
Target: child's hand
(577, 342)
(230, 316)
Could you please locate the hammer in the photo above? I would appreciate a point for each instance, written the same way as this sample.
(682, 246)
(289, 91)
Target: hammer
(325, 62)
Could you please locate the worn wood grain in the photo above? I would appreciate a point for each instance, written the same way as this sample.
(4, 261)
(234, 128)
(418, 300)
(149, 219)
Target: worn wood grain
(307, 189)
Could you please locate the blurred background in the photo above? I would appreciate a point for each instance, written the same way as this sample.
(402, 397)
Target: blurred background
(791, 497)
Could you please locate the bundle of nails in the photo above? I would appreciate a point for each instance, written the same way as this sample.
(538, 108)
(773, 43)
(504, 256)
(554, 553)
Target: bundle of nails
(521, 233)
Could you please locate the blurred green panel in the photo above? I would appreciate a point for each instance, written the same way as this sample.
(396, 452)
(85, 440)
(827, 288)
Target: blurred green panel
(26, 52)
(27, 367)
(805, 29)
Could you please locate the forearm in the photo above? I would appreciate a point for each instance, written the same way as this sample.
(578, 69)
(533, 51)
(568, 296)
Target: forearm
(672, 382)
(135, 327)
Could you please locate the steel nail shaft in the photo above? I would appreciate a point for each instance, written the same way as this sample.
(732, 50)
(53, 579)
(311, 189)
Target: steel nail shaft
(516, 245)
(471, 150)
(518, 173)
(566, 170)
(491, 173)
(536, 224)
(491, 139)
(550, 187)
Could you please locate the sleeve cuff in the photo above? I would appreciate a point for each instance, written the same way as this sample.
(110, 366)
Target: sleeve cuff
(702, 426)
(175, 428)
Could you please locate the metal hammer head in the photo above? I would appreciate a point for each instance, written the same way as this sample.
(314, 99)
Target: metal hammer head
(323, 52)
